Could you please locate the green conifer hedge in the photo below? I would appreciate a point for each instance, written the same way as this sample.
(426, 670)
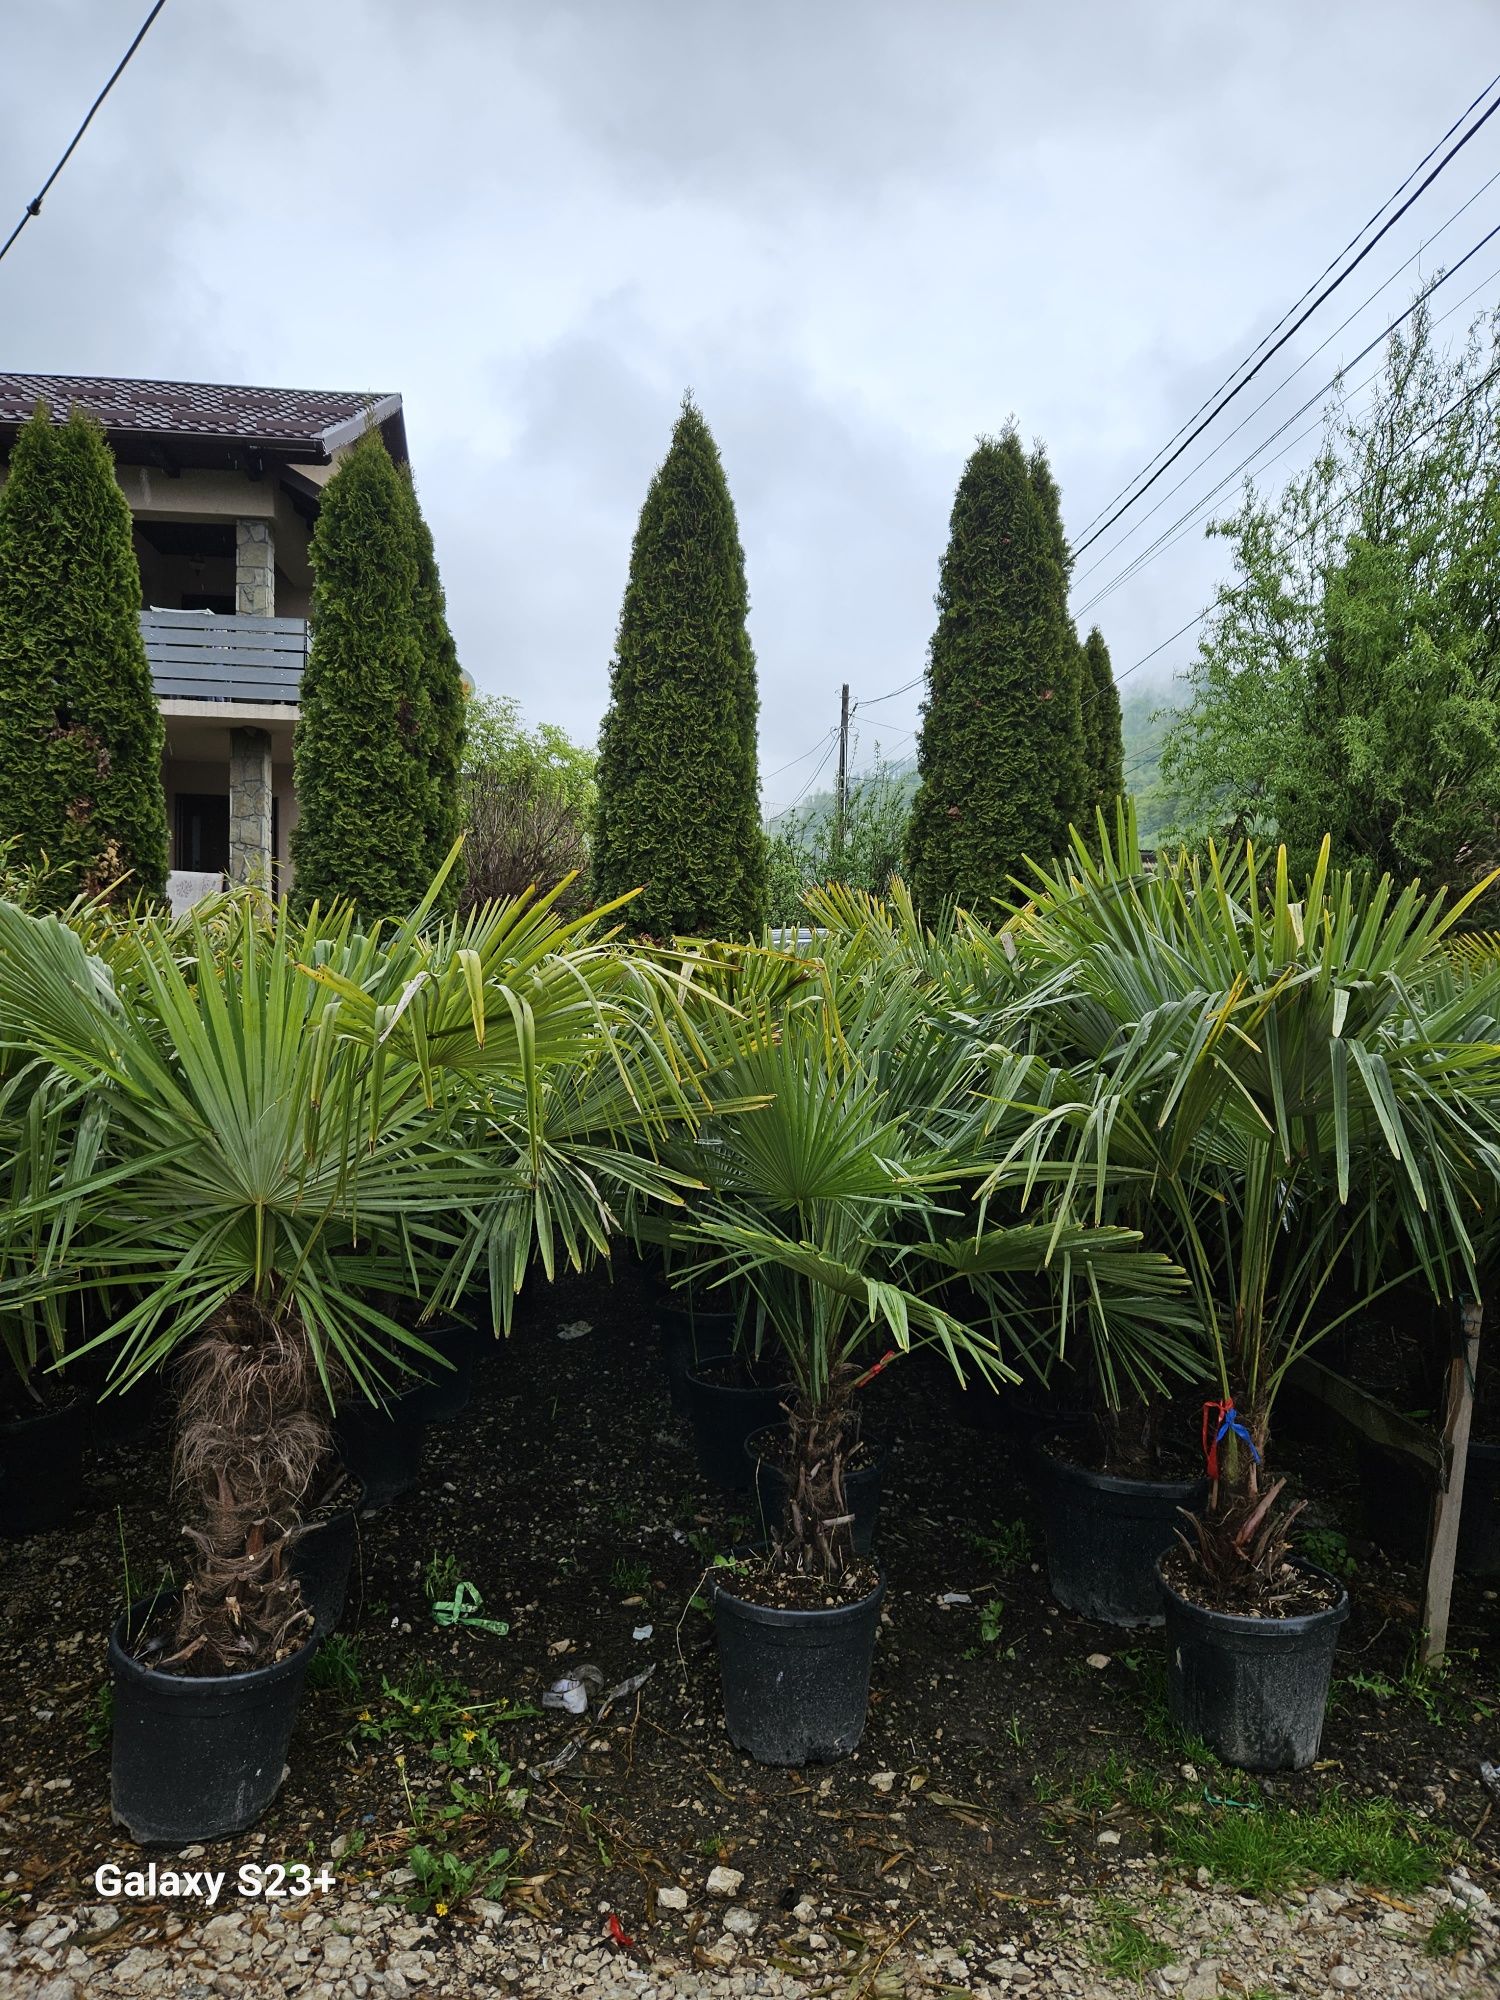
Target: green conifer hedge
(80, 731)
(364, 758)
(1103, 728)
(679, 808)
(998, 757)
(446, 703)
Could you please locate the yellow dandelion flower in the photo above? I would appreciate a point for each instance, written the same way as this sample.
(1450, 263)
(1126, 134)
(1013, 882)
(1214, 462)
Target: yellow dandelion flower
(441, 1908)
(469, 1735)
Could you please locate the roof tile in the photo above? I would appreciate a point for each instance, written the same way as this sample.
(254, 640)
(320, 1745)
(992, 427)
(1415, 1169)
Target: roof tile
(190, 409)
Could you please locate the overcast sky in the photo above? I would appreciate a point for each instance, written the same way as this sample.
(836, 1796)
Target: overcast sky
(862, 231)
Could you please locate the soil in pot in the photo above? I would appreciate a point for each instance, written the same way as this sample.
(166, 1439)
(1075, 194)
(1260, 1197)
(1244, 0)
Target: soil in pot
(1105, 1533)
(41, 1457)
(728, 1400)
(196, 1757)
(768, 1452)
(795, 1655)
(691, 1334)
(380, 1445)
(323, 1555)
(1254, 1688)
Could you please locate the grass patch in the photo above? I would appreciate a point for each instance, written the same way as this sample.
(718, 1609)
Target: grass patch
(1452, 1932)
(1263, 1853)
(335, 1667)
(1125, 1949)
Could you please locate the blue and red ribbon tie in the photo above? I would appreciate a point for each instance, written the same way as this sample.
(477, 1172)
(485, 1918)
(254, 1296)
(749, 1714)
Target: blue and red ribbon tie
(1229, 1424)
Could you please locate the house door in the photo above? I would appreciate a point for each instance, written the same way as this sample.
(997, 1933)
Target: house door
(201, 833)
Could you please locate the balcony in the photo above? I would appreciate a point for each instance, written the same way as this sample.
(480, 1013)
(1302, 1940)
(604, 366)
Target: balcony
(209, 656)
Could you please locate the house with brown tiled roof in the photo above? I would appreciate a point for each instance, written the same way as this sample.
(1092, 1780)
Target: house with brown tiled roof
(223, 484)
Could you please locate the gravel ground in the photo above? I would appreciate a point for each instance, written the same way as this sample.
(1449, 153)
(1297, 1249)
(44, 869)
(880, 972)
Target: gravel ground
(1182, 1943)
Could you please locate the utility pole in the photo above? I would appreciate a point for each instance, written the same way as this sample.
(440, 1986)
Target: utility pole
(842, 797)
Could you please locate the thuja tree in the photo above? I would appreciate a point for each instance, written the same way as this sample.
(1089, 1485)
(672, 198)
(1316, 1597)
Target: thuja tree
(446, 703)
(1103, 727)
(80, 733)
(363, 751)
(678, 812)
(1071, 765)
(995, 763)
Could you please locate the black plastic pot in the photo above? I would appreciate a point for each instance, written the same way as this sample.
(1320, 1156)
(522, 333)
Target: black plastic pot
(1253, 1689)
(322, 1557)
(796, 1683)
(771, 1486)
(41, 1469)
(381, 1446)
(122, 1419)
(690, 1335)
(1396, 1498)
(1104, 1535)
(445, 1393)
(723, 1417)
(196, 1759)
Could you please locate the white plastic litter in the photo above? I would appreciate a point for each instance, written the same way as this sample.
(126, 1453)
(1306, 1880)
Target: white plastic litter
(617, 1693)
(955, 1597)
(643, 1631)
(567, 1693)
(574, 1329)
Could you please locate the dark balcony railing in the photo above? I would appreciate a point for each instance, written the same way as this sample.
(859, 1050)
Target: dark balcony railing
(208, 656)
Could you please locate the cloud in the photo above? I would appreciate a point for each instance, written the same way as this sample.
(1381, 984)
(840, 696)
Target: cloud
(862, 231)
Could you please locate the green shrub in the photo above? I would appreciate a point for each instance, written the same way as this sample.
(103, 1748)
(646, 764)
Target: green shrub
(1103, 728)
(999, 755)
(679, 803)
(80, 732)
(446, 702)
(364, 757)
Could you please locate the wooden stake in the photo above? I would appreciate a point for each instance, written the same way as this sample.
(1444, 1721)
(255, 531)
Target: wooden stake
(1458, 1411)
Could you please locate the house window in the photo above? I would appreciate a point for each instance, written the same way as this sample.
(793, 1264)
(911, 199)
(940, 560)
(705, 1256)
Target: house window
(220, 601)
(201, 843)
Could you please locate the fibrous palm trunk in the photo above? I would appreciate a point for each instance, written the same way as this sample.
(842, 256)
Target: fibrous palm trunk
(250, 1438)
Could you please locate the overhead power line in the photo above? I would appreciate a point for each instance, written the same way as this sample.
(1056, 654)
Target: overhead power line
(818, 770)
(1291, 541)
(1221, 402)
(1270, 397)
(1395, 196)
(802, 759)
(1177, 528)
(34, 207)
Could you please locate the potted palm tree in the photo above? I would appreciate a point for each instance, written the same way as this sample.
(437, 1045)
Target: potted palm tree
(286, 1102)
(49, 1141)
(1285, 1085)
(836, 1202)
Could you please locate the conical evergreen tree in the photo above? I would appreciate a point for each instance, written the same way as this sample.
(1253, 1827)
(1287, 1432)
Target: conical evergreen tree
(80, 732)
(988, 755)
(363, 753)
(1103, 729)
(679, 806)
(1074, 779)
(445, 703)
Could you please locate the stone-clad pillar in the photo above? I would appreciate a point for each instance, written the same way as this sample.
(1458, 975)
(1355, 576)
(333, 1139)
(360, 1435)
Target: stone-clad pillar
(250, 806)
(254, 569)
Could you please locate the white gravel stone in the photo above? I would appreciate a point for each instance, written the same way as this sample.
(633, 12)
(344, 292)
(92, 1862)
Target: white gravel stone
(724, 1881)
(671, 1898)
